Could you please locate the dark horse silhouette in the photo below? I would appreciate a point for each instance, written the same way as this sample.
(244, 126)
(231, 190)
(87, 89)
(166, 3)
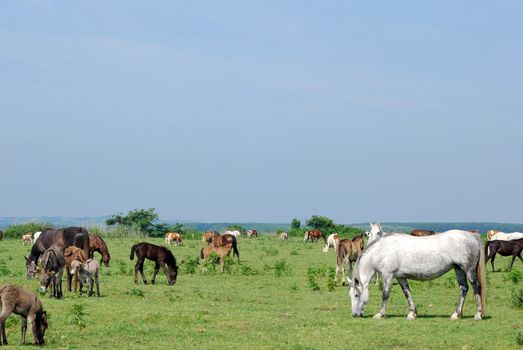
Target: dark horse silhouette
(160, 255)
(62, 238)
(219, 241)
(97, 244)
(505, 248)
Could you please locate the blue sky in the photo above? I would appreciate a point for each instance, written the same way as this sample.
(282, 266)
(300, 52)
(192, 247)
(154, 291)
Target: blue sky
(262, 110)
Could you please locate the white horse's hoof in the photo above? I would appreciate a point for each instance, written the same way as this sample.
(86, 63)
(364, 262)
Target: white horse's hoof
(411, 316)
(477, 316)
(377, 316)
(454, 316)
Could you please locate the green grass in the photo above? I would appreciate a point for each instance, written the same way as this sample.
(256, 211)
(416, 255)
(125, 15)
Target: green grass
(266, 302)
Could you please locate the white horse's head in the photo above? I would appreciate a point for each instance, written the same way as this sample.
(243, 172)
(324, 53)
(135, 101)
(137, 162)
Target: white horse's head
(375, 233)
(359, 296)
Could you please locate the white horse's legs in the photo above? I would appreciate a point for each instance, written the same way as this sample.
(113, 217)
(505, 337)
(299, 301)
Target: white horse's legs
(387, 284)
(463, 286)
(471, 275)
(406, 290)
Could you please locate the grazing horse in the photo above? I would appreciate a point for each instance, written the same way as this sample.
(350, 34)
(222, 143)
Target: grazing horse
(505, 248)
(70, 254)
(234, 233)
(252, 233)
(53, 264)
(97, 244)
(160, 255)
(347, 252)
(420, 258)
(332, 240)
(422, 233)
(173, 237)
(24, 303)
(314, 235)
(221, 251)
(63, 238)
(284, 236)
(502, 236)
(27, 238)
(218, 241)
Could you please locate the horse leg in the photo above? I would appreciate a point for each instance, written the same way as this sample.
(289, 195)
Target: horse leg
(6, 311)
(476, 286)
(156, 269)
(68, 279)
(492, 260)
(343, 270)
(23, 330)
(512, 262)
(406, 290)
(90, 286)
(3, 338)
(97, 285)
(337, 270)
(387, 284)
(463, 286)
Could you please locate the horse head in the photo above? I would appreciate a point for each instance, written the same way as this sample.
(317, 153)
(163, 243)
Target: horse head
(375, 233)
(359, 296)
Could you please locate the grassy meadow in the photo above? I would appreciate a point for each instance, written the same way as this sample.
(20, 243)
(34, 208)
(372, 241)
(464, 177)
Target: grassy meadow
(279, 297)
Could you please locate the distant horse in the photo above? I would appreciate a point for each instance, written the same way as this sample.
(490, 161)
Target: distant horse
(252, 233)
(332, 240)
(53, 264)
(160, 255)
(234, 233)
(1, 235)
(221, 251)
(505, 248)
(97, 244)
(502, 236)
(422, 233)
(173, 237)
(218, 241)
(347, 252)
(420, 258)
(24, 303)
(70, 254)
(63, 238)
(27, 238)
(284, 235)
(206, 236)
(314, 235)
(491, 233)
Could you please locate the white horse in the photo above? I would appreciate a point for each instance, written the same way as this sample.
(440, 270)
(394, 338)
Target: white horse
(284, 235)
(332, 241)
(421, 258)
(375, 233)
(502, 236)
(234, 233)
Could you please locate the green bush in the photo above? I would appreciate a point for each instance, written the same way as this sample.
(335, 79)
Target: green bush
(513, 275)
(517, 298)
(16, 231)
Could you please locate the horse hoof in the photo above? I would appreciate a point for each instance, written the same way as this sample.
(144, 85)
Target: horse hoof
(454, 316)
(377, 317)
(478, 317)
(411, 316)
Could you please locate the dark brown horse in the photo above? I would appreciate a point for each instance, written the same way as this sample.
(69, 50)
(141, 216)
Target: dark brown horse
(219, 241)
(97, 244)
(505, 248)
(314, 236)
(63, 238)
(422, 233)
(1, 235)
(160, 255)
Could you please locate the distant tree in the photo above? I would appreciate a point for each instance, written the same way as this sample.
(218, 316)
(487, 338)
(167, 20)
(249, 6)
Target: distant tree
(323, 223)
(295, 224)
(144, 219)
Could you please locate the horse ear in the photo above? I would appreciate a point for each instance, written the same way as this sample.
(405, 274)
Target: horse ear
(26, 258)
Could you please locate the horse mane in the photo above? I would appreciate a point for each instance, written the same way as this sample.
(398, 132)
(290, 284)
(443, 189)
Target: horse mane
(170, 259)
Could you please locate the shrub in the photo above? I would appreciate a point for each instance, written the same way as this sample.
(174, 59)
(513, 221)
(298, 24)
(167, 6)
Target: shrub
(77, 315)
(513, 275)
(135, 292)
(281, 267)
(16, 231)
(517, 298)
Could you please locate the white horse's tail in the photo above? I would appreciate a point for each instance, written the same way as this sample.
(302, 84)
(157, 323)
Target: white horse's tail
(482, 277)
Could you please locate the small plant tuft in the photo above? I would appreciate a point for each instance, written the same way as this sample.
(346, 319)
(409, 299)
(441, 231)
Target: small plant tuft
(77, 315)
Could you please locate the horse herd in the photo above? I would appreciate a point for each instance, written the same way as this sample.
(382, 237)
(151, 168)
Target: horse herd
(422, 255)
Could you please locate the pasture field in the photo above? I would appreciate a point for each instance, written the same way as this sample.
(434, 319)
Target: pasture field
(269, 301)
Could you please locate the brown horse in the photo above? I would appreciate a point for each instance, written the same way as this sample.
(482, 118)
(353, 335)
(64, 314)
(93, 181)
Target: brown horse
(160, 255)
(1, 235)
(348, 252)
(314, 236)
(505, 248)
(221, 251)
(70, 254)
(422, 233)
(24, 303)
(97, 244)
(218, 241)
(208, 235)
(252, 233)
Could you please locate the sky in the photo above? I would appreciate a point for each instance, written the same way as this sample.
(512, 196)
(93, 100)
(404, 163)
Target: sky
(262, 111)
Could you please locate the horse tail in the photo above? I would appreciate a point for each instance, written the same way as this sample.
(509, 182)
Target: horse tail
(201, 254)
(133, 248)
(235, 248)
(482, 277)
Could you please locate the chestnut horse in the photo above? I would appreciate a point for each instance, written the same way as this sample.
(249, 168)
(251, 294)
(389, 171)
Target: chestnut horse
(218, 241)
(97, 244)
(347, 252)
(314, 235)
(221, 251)
(160, 255)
